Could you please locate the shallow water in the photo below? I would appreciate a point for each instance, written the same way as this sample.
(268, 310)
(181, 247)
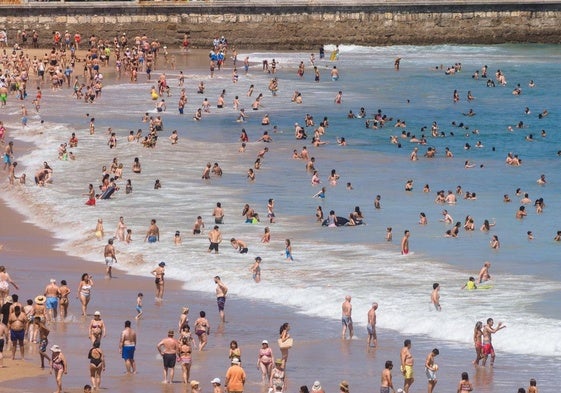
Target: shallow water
(330, 263)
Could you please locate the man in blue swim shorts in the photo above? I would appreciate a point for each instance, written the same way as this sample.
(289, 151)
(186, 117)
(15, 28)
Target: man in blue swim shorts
(52, 293)
(127, 346)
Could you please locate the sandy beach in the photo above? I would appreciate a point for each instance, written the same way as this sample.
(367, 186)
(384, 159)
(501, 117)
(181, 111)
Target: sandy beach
(31, 257)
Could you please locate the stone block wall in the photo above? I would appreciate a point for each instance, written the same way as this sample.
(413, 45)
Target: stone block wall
(294, 27)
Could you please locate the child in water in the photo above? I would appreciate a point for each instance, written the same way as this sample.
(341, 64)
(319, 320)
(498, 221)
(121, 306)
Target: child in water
(470, 285)
(139, 305)
(288, 250)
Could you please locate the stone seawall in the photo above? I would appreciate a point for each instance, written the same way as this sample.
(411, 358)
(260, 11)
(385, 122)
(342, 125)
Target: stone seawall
(294, 27)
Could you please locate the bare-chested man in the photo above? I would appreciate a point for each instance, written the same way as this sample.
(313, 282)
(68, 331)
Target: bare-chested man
(127, 346)
(110, 258)
(488, 349)
(346, 318)
(215, 238)
(431, 368)
(169, 349)
(484, 272)
(17, 323)
(218, 213)
(153, 233)
(371, 327)
(435, 296)
(52, 293)
(387, 382)
(405, 243)
(407, 365)
(221, 291)
(8, 154)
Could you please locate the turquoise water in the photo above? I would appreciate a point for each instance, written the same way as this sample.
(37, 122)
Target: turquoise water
(330, 263)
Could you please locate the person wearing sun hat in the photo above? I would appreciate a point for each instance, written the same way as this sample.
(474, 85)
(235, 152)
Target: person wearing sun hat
(344, 387)
(235, 377)
(195, 386)
(277, 377)
(59, 366)
(40, 300)
(316, 387)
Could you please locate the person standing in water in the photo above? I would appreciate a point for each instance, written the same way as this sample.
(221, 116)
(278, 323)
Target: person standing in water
(346, 318)
(405, 243)
(110, 258)
(159, 273)
(221, 290)
(488, 349)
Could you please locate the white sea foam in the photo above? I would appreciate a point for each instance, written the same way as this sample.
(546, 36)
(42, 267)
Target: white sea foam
(328, 263)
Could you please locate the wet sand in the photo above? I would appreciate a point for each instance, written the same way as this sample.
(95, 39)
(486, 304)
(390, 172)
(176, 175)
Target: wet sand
(319, 354)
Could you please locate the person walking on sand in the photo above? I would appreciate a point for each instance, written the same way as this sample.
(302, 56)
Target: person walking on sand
(387, 382)
(285, 342)
(64, 292)
(159, 273)
(97, 328)
(17, 323)
(127, 346)
(169, 349)
(59, 366)
(202, 330)
(221, 291)
(431, 368)
(52, 293)
(405, 244)
(85, 291)
(110, 258)
(346, 318)
(488, 349)
(407, 365)
(5, 282)
(371, 326)
(235, 377)
(97, 364)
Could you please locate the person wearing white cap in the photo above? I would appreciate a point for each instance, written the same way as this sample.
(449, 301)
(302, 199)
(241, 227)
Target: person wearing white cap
(235, 377)
(316, 387)
(265, 361)
(52, 293)
(59, 366)
(216, 385)
(97, 328)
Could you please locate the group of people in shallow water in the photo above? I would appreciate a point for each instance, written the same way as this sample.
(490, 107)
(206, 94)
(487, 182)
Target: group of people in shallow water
(355, 217)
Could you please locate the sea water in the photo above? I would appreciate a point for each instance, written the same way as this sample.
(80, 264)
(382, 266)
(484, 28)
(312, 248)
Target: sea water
(331, 262)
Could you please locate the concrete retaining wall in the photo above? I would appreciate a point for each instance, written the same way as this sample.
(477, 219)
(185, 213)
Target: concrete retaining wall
(300, 26)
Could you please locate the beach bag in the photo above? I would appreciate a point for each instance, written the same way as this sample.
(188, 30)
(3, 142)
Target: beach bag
(286, 344)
